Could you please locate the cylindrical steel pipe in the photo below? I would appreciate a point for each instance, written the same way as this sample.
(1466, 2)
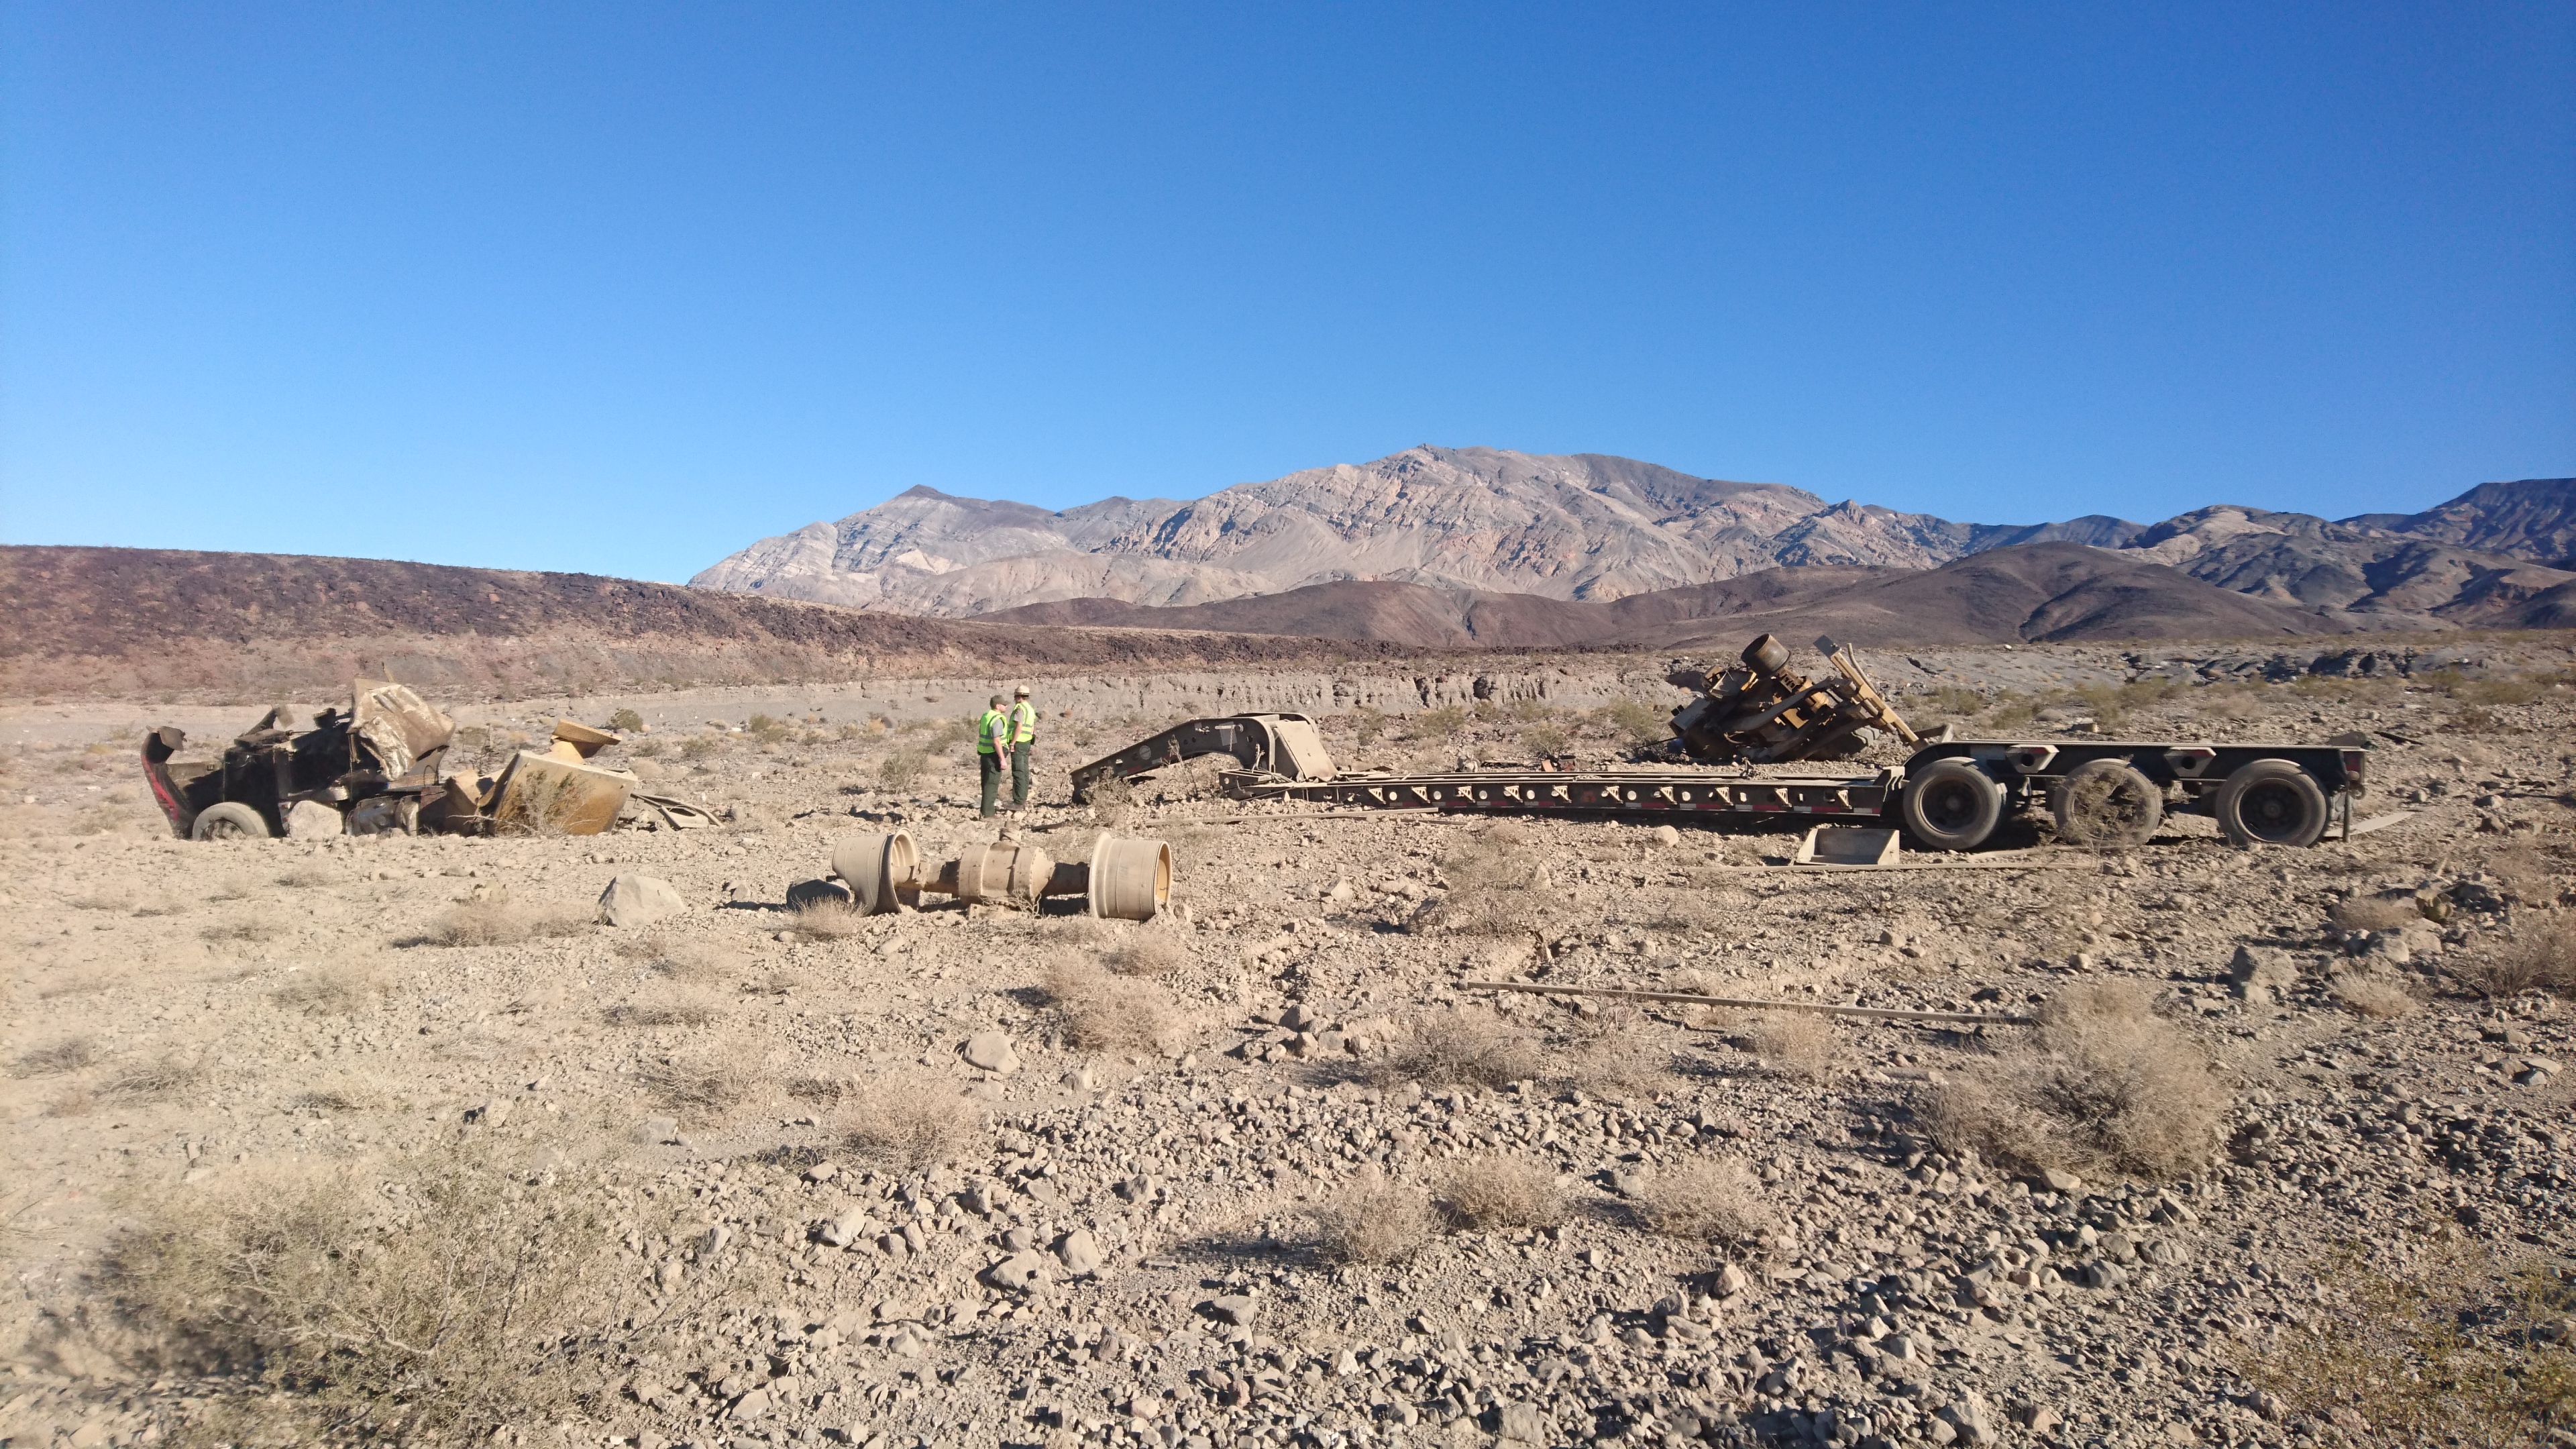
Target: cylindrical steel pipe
(1131, 880)
(882, 871)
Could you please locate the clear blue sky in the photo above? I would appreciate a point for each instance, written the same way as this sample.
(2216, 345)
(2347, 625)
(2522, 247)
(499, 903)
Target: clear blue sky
(620, 288)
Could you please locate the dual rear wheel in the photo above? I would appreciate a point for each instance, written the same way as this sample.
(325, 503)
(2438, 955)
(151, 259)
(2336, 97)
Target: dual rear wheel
(2110, 804)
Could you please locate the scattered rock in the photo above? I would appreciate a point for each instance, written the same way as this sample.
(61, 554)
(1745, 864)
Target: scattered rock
(1018, 1272)
(1525, 1423)
(1232, 1308)
(638, 900)
(1079, 1253)
(990, 1051)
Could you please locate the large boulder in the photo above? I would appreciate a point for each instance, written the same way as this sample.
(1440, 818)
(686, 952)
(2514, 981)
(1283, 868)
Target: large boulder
(639, 900)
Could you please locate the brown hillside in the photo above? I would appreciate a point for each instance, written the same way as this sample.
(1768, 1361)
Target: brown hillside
(2055, 592)
(122, 621)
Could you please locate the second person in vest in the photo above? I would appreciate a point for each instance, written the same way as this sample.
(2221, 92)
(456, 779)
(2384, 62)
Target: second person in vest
(1023, 743)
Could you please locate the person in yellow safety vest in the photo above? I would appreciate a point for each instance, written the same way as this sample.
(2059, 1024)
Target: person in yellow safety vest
(1023, 742)
(990, 732)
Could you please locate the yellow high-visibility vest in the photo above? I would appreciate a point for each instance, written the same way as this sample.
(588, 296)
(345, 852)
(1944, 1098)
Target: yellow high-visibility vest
(1024, 724)
(989, 731)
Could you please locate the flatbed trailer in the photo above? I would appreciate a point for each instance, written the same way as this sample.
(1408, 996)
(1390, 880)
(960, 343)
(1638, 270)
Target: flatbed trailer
(1951, 795)
(1948, 795)
(1547, 792)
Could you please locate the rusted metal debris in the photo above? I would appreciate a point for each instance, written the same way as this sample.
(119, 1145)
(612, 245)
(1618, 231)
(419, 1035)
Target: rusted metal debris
(1685, 998)
(1761, 712)
(382, 765)
(1125, 879)
(1285, 746)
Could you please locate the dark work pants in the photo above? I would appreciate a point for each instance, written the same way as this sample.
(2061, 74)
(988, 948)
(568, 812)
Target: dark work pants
(992, 767)
(1020, 774)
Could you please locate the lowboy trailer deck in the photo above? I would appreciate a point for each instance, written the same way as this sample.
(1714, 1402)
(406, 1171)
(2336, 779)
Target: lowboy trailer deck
(1949, 795)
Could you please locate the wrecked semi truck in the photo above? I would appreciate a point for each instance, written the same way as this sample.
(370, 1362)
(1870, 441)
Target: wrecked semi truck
(1949, 795)
(382, 766)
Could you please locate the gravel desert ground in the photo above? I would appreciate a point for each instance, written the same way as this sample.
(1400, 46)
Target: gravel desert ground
(331, 1139)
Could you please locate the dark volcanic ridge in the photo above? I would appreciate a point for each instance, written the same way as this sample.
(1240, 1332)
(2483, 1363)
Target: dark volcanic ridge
(126, 620)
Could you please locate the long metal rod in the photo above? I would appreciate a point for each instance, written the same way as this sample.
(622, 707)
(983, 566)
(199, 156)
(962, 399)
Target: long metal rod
(1874, 1013)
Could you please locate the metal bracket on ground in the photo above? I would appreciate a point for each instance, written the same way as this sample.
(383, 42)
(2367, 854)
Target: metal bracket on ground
(1684, 998)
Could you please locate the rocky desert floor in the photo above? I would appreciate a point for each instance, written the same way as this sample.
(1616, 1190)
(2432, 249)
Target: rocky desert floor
(330, 1139)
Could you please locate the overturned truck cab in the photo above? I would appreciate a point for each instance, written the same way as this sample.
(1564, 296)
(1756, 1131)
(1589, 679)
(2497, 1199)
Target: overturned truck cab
(382, 766)
(376, 763)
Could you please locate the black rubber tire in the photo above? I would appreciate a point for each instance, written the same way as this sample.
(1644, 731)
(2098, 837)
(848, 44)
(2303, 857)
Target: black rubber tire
(2270, 802)
(2107, 805)
(1952, 805)
(229, 820)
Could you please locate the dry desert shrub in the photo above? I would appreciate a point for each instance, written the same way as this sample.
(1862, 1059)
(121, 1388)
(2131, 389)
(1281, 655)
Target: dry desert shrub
(2377, 994)
(1110, 800)
(1101, 1012)
(1800, 1044)
(676, 1004)
(1462, 1048)
(1716, 1201)
(439, 1295)
(825, 918)
(1144, 952)
(2544, 961)
(912, 1125)
(250, 932)
(152, 1080)
(682, 958)
(1619, 1052)
(1489, 1192)
(343, 989)
(2375, 913)
(499, 921)
(820, 1089)
(303, 878)
(1373, 1220)
(2528, 874)
(713, 1085)
(1498, 885)
(2102, 1082)
(55, 1058)
(2454, 1347)
(343, 1092)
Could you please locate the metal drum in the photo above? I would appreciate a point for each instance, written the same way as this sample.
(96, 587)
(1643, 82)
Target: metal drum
(1131, 880)
(882, 871)
(1005, 874)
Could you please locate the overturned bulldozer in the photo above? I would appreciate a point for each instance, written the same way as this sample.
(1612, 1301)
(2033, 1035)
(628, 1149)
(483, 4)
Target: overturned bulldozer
(1761, 712)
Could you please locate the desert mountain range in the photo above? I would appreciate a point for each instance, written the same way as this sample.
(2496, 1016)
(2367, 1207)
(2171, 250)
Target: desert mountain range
(1497, 536)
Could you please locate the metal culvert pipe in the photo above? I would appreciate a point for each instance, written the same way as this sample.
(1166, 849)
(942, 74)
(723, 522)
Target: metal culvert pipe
(882, 871)
(1008, 874)
(1131, 880)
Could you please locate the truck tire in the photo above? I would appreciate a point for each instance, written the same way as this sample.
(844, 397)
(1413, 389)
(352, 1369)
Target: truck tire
(1952, 805)
(2270, 802)
(2108, 805)
(230, 820)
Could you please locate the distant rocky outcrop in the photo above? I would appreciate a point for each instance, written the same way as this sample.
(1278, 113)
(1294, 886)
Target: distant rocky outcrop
(1482, 523)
